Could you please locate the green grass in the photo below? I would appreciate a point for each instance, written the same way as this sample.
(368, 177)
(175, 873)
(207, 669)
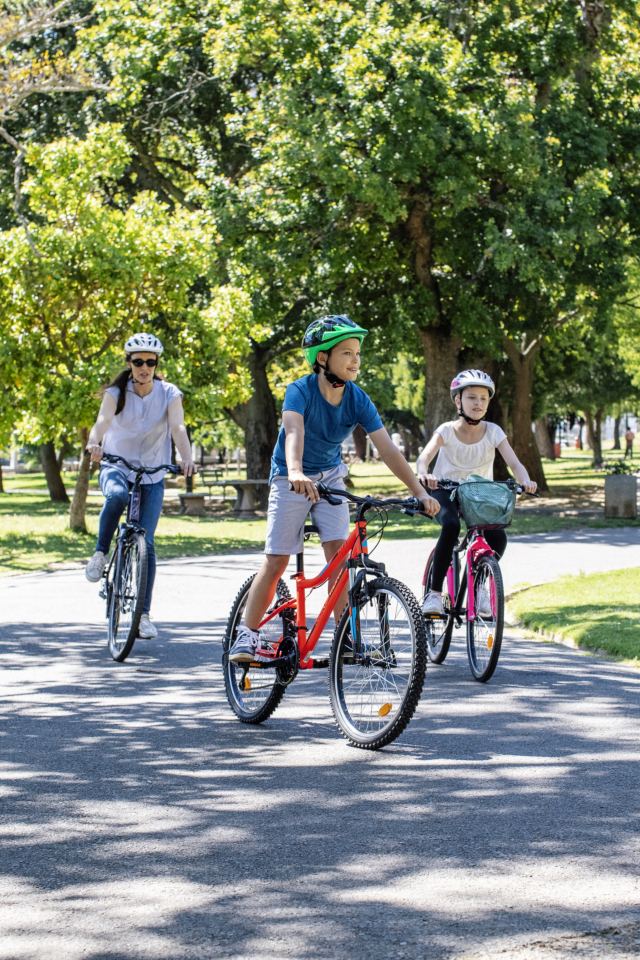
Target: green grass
(34, 533)
(599, 611)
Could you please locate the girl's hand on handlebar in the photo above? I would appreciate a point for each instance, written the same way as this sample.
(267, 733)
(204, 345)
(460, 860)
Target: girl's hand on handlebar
(188, 467)
(96, 452)
(428, 481)
(430, 506)
(530, 486)
(303, 485)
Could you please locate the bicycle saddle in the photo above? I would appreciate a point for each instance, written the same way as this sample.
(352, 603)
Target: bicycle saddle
(309, 529)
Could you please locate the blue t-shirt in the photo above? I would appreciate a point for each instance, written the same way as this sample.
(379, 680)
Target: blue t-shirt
(325, 426)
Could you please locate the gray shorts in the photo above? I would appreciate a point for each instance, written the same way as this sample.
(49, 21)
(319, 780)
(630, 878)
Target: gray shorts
(288, 512)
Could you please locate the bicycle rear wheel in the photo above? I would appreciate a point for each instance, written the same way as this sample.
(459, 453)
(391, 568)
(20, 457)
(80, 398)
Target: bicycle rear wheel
(254, 691)
(484, 632)
(438, 629)
(374, 695)
(127, 596)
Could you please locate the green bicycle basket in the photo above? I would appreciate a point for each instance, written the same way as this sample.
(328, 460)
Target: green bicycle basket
(484, 503)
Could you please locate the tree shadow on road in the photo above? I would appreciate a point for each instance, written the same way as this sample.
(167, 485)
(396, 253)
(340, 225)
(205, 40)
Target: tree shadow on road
(142, 820)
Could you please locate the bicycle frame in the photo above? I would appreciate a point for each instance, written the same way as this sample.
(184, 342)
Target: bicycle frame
(352, 551)
(476, 547)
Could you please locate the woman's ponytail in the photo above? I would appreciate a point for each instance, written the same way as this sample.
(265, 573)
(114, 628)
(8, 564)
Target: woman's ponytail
(120, 382)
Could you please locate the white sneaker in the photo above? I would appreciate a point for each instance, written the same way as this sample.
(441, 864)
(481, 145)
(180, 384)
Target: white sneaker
(146, 630)
(95, 568)
(244, 649)
(484, 602)
(432, 605)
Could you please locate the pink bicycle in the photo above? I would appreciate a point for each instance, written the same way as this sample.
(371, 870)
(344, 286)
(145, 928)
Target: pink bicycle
(481, 586)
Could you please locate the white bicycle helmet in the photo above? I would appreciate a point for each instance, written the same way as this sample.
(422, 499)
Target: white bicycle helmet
(143, 343)
(471, 378)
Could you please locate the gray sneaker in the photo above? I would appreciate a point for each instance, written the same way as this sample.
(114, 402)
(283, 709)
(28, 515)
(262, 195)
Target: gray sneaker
(244, 648)
(484, 602)
(146, 630)
(95, 568)
(432, 605)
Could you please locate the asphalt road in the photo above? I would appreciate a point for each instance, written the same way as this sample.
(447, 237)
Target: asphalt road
(139, 820)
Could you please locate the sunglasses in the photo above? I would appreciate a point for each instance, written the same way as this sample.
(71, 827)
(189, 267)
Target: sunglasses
(141, 363)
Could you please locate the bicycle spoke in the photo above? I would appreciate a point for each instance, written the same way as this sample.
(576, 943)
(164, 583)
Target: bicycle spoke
(374, 692)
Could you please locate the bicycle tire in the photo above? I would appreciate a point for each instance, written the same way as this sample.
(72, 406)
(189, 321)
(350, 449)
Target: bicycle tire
(127, 596)
(484, 636)
(259, 707)
(394, 667)
(439, 630)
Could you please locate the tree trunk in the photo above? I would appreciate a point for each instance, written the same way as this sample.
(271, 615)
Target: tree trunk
(597, 435)
(360, 442)
(580, 425)
(524, 443)
(65, 448)
(588, 421)
(1, 480)
(79, 503)
(616, 433)
(545, 446)
(52, 474)
(259, 420)
(441, 362)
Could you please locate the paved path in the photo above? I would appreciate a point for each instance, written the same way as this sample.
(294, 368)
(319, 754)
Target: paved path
(140, 821)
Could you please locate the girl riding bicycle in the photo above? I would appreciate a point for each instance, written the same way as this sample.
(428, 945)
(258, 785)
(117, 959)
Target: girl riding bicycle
(464, 446)
(140, 413)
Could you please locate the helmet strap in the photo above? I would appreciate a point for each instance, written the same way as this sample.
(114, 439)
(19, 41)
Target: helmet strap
(472, 423)
(335, 382)
(463, 416)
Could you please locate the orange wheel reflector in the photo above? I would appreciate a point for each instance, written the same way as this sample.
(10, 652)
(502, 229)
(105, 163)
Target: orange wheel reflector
(490, 641)
(247, 683)
(384, 709)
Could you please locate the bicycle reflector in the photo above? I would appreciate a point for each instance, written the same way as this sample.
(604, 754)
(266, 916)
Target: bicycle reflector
(384, 709)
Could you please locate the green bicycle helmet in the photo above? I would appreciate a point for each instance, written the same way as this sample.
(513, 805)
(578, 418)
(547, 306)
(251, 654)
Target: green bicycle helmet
(325, 333)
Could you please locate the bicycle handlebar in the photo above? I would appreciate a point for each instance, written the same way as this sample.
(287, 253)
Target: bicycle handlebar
(454, 484)
(411, 504)
(112, 458)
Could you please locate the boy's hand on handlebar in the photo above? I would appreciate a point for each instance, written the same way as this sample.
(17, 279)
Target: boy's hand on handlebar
(188, 467)
(430, 506)
(303, 485)
(428, 481)
(96, 451)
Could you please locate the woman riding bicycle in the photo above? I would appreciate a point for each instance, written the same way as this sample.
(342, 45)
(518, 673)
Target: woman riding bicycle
(140, 413)
(464, 446)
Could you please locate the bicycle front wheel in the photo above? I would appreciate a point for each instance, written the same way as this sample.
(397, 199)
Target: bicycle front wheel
(484, 632)
(127, 596)
(438, 629)
(254, 691)
(374, 693)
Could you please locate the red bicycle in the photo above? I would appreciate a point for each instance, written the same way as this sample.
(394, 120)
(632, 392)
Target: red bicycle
(378, 656)
(481, 584)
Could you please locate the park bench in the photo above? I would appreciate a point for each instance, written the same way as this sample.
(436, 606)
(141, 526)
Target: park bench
(212, 476)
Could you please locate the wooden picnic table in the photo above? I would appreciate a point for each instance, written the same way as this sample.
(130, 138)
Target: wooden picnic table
(246, 491)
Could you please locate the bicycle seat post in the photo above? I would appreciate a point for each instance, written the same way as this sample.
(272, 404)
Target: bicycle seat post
(300, 561)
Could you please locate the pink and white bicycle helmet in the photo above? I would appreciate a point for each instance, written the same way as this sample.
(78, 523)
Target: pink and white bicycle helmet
(143, 343)
(471, 378)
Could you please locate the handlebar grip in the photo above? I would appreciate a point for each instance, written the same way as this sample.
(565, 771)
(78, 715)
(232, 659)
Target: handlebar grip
(86, 453)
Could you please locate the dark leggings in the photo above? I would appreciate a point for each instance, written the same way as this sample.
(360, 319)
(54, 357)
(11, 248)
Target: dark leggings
(447, 517)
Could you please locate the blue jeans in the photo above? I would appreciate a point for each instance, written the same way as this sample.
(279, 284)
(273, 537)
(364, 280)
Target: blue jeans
(115, 488)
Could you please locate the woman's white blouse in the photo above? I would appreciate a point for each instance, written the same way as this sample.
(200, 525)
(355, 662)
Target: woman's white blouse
(456, 460)
(140, 432)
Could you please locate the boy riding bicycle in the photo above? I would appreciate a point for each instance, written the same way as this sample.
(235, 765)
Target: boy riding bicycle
(319, 412)
(464, 446)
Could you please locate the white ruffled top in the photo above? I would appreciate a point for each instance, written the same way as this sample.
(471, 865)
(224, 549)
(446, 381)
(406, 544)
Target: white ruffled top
(456, 460)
